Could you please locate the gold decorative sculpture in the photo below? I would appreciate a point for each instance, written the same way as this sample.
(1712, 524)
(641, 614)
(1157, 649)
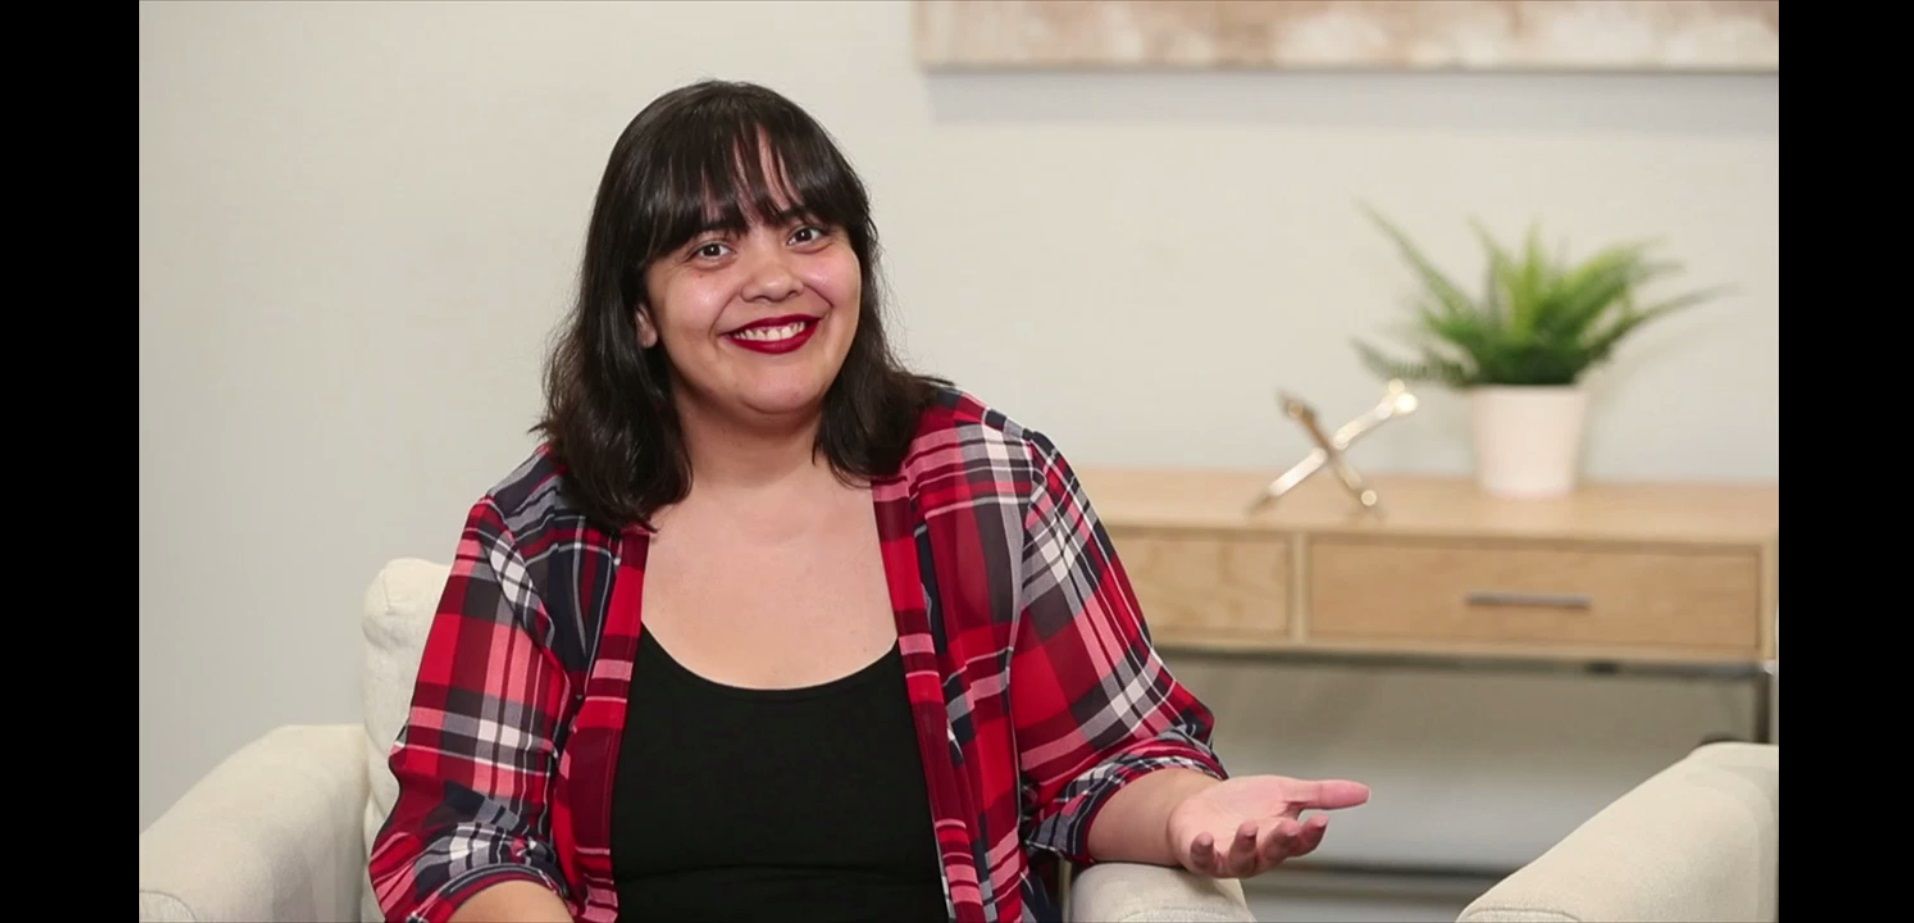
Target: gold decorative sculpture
(1396, 402)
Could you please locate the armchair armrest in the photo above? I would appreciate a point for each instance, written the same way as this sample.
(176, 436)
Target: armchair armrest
(272, 833)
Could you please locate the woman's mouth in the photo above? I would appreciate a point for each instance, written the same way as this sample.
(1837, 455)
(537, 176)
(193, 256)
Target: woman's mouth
(777, 335)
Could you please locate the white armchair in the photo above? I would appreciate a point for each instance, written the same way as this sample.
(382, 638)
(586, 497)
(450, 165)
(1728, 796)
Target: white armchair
(279, 831)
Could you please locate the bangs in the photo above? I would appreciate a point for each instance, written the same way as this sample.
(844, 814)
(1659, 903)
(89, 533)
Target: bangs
(711, 175)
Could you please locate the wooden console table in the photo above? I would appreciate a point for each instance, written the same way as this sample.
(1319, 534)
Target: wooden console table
(1645, 578)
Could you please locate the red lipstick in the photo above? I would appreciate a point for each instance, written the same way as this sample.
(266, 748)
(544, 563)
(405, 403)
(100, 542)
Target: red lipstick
(805, 323)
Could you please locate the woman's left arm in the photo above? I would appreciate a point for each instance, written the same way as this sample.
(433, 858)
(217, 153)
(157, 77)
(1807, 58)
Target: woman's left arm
(1114, 752)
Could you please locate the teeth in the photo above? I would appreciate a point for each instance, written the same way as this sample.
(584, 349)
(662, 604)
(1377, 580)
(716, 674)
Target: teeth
(770, 334)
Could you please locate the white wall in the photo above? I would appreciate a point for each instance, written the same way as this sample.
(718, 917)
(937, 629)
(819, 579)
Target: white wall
(359, 224)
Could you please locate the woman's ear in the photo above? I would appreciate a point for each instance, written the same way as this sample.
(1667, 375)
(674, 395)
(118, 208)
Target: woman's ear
(647, 334)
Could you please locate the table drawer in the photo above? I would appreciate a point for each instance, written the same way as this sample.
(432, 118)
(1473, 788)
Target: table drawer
(1208, 583)
(1526, 596)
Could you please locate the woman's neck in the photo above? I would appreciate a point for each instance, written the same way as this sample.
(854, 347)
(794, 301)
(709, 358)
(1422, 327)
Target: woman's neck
(734, 455)
(757, 482)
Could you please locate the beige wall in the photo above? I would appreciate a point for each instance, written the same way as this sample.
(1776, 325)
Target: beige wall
(359, 223)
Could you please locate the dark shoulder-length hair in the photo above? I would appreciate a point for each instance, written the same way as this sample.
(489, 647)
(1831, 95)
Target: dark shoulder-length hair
(609, 415)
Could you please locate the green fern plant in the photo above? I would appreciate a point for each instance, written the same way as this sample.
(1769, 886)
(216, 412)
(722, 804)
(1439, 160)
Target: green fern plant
(1540, 320)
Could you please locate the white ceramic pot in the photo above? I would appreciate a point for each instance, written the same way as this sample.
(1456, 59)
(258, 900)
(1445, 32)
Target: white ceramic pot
(1528, 438)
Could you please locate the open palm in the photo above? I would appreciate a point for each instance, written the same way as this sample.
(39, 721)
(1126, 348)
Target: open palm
(1244, 826)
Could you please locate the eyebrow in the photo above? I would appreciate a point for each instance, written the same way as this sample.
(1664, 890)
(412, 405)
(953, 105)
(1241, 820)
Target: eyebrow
(780, 217)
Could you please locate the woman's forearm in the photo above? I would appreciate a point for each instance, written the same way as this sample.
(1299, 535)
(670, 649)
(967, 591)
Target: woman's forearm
(1134, 826)
(513, 902)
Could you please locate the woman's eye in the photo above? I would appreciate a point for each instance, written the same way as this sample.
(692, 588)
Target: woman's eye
(710, 251)
(807, 234)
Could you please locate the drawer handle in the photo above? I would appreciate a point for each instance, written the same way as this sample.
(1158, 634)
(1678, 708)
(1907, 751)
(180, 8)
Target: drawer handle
(1546, 600)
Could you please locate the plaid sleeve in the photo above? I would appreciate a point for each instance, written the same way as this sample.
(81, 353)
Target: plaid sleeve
(1094, 707)
(476, 758)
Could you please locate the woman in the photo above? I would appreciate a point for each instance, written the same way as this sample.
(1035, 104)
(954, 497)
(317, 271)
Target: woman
(889, 665)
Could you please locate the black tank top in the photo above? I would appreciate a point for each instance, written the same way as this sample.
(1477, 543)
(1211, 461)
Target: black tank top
(733, 804)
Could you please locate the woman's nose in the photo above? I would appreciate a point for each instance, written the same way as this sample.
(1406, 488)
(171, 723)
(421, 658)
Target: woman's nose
(771, 276)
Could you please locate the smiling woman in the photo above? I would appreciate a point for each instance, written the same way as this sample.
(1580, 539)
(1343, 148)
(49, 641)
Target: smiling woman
(736, 642)
(723, 208)
(720, 286)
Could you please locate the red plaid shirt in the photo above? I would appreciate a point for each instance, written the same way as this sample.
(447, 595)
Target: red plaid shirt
(997, 568)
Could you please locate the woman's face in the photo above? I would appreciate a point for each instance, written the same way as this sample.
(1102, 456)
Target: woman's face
(757, 323)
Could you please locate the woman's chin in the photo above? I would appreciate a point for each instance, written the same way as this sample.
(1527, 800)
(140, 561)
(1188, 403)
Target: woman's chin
(786, 401)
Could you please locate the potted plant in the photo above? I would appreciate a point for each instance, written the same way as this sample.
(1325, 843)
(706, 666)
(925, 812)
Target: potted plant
(1521, 349)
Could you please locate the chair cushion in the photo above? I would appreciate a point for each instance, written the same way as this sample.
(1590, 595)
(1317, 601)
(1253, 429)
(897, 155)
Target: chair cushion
(399, 606)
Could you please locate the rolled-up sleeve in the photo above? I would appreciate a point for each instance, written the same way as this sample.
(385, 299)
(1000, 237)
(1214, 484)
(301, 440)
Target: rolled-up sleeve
(1094, 706)
(476, 759)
